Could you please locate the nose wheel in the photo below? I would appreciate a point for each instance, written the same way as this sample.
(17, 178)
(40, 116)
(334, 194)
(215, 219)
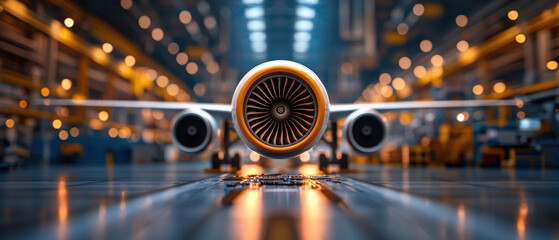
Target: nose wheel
(223, 157)
(340, 159)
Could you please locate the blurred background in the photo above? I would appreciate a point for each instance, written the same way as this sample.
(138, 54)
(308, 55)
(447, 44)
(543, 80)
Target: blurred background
(197, 51)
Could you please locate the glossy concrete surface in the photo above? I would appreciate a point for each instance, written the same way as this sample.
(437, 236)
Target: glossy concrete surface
(181, 202)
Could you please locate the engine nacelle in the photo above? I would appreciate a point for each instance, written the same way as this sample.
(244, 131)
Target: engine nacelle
(280, 109)
(193, 130)
(366, 131)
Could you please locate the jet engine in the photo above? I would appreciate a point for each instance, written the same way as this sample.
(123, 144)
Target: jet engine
(366, 131)
(193, 130)
(280, 109)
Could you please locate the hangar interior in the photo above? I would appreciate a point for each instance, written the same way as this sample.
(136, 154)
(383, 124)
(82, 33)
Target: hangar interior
(464, 171)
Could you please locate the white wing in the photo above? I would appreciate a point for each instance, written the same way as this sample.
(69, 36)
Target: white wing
(338, 111)
(223, 110)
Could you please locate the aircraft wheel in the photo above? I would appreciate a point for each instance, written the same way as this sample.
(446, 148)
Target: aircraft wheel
(236, 161)
(216, 162)
(322, 161)
(344, 161)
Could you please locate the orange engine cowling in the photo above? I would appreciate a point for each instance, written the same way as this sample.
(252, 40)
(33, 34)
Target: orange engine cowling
(280, 109)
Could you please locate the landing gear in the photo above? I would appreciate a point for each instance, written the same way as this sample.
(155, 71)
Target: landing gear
(336, 158)
(222, 157)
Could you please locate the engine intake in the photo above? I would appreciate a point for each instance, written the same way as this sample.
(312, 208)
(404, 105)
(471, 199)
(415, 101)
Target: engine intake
(193, 130)
(366, 131)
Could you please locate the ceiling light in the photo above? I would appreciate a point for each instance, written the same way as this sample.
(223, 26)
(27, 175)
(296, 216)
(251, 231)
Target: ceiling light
(257, 37)
(303, 25)
(254, 12)
(305, 12)
(302, 37)
(256, 25)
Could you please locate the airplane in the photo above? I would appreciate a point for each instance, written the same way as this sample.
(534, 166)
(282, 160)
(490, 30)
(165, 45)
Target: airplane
(279, 110)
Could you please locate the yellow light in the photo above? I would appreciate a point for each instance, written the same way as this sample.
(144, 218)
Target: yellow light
(404, 62)
(124, 132)
(63, 135)
(499, 87)
(386, 91)
(212, 67)
(182, 58)
(305, 157)
(157, 34)
(113, 132)
(254, 156)
(144, 22)
(173, 89)
(426, 46)
(74, 132)
(460, 117)
(107, 47)
(384, 78)
(45, 92)
(437, 60)
(520, 38)
(477, 89)
(162, 81)
(399, 83)
(199, 89)
(402, 28)
(437, 72)
(103, 116)
(418, 9)
(57, 124)
(173, 48)
(552, 65)
(151, 74)
(66, 84)
(347, 68)
(462, 46)
(130, 60)
(309, 170)
(22, 104)
(419, 71)
(192, 68)
(461, 20)
(9, 123)
(512, 15)
(69, 22)
(185, 17)
(520, 115)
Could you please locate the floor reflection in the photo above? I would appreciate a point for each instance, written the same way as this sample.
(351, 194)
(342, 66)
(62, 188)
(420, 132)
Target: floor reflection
(62, 208)
(247, 215)
(314, 213)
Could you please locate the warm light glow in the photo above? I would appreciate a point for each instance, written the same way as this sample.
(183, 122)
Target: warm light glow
(66, 84)
(308, 170)
(144, 22)
(499, 87)
(520, 38)
(305, 157)
(404, 62)
(512, 15)
(95, 124)
(23, 104)
(9, 123)
(212, 67)
(477, 89)
(192, 68)
(173, 89)
(460, 117)
(419, 71)
(126, 4)
(113, 132)
(437, 60)
(69, 22)
(386, 91)
(402, 28)
(461, 20)
(74, 132)
(199, 89)
(247, 212)
(182, 58)
(384, 78)
(124, 132)
(162, 81)
(521, 222)
(130, 60)
(255, 157)
(315, 213)
(173, 48)
(520, 114)
(57, 124)
(347, 68)
(103, 116)
(151, 74)
(45, 92)
(426, 46)
(107, 47)
(418, 9)
(63, 135)
(552, 65)
(251, 169)
(462, 46)
(62, 201)
(185, 17)
(398, 83)
(157, 34)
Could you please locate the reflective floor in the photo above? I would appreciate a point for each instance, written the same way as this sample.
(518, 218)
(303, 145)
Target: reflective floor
(180, 201)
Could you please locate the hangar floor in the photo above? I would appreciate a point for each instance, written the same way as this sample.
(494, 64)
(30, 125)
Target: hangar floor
(180, 201)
